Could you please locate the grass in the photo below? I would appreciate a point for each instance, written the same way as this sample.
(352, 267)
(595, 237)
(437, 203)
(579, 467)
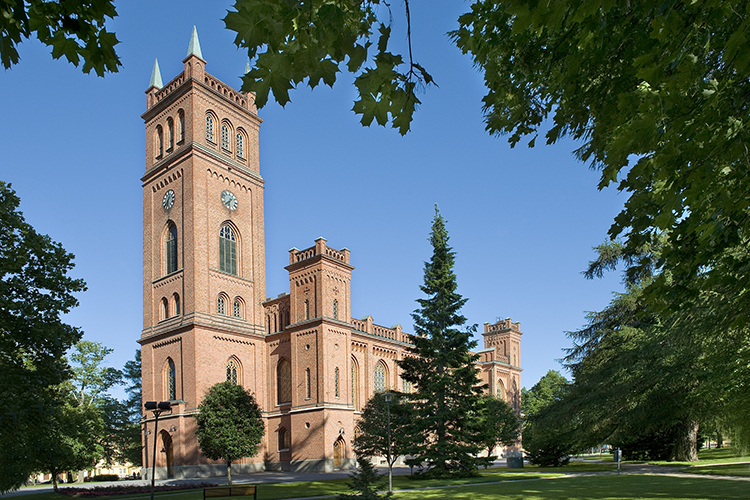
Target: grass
(508, 485)
(721, 470)
(610, 487)
(712, 456)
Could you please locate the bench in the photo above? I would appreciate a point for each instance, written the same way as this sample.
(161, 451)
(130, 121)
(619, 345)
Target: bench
(241, 490)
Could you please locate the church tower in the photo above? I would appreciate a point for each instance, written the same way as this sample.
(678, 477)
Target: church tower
(203, 253)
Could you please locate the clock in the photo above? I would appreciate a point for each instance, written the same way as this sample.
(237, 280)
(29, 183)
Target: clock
(229, 200)
(168, 200)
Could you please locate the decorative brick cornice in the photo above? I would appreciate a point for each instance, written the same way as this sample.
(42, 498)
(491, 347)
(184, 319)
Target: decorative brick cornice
(234, 340)
(170, 278)
(384, 351)
(166, 342)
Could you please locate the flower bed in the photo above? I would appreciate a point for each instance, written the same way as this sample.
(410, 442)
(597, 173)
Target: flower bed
(123, 489)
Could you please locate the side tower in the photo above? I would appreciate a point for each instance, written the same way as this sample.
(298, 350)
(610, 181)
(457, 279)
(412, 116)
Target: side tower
(500, 360)
(203, 253)
(309, 351)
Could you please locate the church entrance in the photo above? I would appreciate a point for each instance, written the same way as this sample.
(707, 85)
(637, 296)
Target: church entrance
(339, 451)
(168, 450)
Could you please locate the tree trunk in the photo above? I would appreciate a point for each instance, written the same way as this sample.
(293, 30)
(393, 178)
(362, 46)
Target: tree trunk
(54, 480)
(229, 472)
(686, 445)
(719, 439)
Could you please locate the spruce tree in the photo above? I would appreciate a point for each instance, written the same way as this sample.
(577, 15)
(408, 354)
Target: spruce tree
(444, 438)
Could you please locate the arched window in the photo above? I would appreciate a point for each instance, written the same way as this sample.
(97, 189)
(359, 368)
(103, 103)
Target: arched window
(159, 141)
(336, 383)
(379, 379)
(181, 130)
(171, 380)
(284, 382)
(308, 389)
(237, 309)
(225, 136)
(170, 134)
(355, 384)
(221, 305)
(171, 248)
(164, 308)
(501, 389)
(240, 144)
(283, 439)
(307, 309)
(335, 309)
(227, 250)
(406, 387)
(210, 128)
(176, 304)
(232, 372)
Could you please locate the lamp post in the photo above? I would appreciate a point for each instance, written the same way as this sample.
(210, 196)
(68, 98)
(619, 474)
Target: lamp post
(156, 409)
(388, 396)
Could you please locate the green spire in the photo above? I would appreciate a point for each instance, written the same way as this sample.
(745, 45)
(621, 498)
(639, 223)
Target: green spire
(156, 76)
(247, 67)
(195, 45)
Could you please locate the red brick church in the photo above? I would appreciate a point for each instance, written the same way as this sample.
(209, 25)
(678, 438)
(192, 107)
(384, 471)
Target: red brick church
(206, 315)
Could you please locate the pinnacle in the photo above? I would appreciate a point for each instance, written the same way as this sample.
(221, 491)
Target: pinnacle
(156, 76)
(195, 45)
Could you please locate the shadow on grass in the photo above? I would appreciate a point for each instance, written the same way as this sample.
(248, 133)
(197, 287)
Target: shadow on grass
(610, 487)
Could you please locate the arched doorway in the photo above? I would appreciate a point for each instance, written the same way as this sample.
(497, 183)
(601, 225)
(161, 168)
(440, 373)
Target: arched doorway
(168, 451)
(339, 452)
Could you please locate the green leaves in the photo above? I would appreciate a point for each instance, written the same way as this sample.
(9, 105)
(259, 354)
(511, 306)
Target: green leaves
(229, 424)
(656, 93)
(74, 30)
(35, 291)
(293, 42)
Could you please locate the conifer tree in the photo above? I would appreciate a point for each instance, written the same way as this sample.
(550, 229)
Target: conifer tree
(444, 437)
(366, 482)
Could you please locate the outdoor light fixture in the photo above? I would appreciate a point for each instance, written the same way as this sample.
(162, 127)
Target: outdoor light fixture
(156, 409)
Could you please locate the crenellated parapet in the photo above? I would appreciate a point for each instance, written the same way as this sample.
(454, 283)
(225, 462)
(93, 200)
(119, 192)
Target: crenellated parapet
(320, 248)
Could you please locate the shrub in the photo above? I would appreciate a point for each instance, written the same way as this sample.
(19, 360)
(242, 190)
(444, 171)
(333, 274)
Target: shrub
(105, 477)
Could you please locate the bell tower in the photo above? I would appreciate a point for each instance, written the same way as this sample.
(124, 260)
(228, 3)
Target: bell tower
(203, 252)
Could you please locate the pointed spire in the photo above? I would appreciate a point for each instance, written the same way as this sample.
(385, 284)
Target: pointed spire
(195, 45)
(156, 76)
(247, 67)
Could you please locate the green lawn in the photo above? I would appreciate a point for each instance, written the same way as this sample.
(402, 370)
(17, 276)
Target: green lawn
(640, 487)
(712, 456)
(516, 484)
(721, 470)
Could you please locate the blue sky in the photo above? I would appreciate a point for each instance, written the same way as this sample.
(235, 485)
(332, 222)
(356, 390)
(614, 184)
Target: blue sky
(522, 221)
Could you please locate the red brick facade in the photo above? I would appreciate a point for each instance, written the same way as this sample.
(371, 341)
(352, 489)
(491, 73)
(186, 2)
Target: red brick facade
(206, 318)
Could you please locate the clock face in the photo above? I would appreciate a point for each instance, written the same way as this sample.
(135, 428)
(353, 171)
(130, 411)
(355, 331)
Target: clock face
(229, 200)
(168, 200)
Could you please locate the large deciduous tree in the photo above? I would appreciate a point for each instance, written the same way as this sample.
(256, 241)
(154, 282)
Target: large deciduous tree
(229, 424)
(310, 41)
(73, 29)
(80, 428)
(654, 91)
(498, 424)
(372, 440)
(35, 291)
(546, 431)
(444, 435)
(657, 94)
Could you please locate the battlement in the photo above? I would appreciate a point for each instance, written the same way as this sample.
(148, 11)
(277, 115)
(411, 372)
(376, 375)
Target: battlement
(366, 325)
(501, 326)
(320, 248)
